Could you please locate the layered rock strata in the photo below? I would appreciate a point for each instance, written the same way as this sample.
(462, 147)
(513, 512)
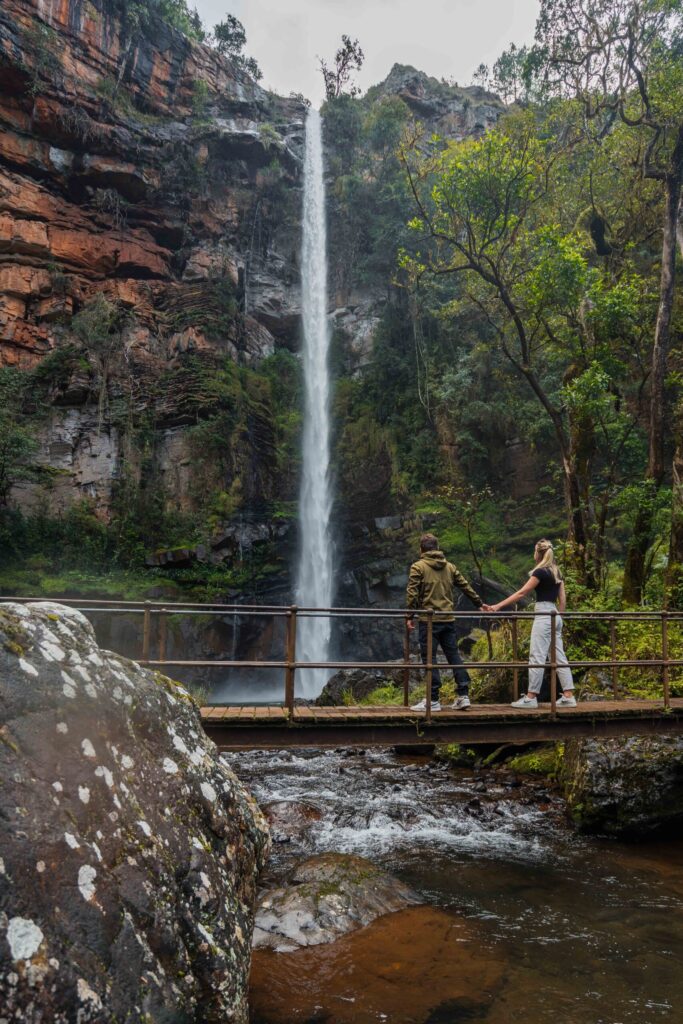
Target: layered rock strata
(154, 171)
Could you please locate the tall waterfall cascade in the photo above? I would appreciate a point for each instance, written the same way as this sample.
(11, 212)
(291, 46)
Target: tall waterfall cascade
(314, 583)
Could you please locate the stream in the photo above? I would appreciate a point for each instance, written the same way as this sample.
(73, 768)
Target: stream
(524, 920)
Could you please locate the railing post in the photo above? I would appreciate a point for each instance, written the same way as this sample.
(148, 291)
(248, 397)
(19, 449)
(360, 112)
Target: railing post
(146, 629)
(406, 670)
(430, 654)
(553, 662)
(290, 658)
(515, 657)
(162, 635)
(665, 659)
(613, 646)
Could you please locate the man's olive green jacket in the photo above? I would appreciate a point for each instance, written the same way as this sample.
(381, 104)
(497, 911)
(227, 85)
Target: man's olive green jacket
(430, 585)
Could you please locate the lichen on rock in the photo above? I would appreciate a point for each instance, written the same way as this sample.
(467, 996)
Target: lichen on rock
(126, 890)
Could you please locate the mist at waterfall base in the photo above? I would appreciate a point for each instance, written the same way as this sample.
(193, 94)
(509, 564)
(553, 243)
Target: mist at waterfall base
(314, 579)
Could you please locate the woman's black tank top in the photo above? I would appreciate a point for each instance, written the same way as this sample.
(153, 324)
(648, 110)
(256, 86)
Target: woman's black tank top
(548, 589)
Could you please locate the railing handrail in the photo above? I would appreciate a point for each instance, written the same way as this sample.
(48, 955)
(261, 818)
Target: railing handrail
(162, 609)
(203, 608)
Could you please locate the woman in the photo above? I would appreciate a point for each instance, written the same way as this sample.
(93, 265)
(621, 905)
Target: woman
(547, 582)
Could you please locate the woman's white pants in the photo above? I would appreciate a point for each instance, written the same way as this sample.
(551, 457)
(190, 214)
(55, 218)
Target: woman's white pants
(539, 648)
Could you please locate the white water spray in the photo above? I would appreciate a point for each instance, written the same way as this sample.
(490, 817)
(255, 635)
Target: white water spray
(314, 585)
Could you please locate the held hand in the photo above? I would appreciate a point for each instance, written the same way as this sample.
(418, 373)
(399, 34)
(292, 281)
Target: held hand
(487, 608)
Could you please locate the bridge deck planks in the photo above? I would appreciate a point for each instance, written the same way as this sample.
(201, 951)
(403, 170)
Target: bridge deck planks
(271, 726)
(248, 716)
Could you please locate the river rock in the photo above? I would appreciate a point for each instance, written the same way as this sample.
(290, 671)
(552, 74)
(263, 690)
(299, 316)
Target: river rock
(328, 896)
(290, 819)
(632, 786)
(350, 685)
(128, 851)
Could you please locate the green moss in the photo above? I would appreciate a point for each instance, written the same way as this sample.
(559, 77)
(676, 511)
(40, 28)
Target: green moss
(7, 740)
(15, 639)
(544, 761)
(456, 755)
(178, 690)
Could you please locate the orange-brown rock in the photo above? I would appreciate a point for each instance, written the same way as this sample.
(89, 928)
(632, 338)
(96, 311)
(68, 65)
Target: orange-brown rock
(109, 183)
(21, 344)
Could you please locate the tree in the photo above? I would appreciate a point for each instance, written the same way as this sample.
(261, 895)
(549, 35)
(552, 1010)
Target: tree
(482, 76)
(348, 58)
(508, 78)
(229, 38)
(490, 214)
(623, 59)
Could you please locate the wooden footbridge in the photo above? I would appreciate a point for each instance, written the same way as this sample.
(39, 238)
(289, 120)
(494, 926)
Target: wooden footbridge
(275, 726)
(293, 722)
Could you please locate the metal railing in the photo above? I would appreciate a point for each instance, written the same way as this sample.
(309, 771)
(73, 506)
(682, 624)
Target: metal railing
(160, 611)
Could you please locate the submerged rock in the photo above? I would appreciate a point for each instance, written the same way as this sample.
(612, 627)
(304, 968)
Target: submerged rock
(290, 819)
(128, 851)
(328, 896)
(625, 787)
(420, 964)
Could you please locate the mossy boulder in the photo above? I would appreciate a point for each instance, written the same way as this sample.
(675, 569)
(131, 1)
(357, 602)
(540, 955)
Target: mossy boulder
(129, 852)
(350, 686)
(625, 787)
(543, 761)
(327, 896)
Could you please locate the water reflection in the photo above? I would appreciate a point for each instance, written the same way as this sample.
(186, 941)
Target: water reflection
(579, 930)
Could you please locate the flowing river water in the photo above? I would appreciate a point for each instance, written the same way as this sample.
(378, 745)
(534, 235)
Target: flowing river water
(524, 920)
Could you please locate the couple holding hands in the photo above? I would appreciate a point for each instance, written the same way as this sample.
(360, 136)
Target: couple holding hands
(430, 585)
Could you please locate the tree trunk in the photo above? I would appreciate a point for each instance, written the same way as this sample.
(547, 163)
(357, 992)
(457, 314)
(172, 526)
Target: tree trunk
(634, 569)
(674, 572)
(581, 453)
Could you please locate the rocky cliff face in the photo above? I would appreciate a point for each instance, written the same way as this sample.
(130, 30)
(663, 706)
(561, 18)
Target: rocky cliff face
(150, 196)
(128, 851)
(165, 179)
(631, 787)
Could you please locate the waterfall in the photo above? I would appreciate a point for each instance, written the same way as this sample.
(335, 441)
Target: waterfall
(314, 585)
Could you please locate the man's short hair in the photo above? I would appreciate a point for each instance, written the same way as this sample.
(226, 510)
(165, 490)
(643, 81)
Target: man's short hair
(428, 542)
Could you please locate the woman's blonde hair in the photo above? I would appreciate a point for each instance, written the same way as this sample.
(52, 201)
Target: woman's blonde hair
(547, 559)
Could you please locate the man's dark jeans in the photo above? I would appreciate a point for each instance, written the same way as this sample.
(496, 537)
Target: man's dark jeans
(444, 633)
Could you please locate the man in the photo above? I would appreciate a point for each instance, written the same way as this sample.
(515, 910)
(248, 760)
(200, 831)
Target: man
(430, 585)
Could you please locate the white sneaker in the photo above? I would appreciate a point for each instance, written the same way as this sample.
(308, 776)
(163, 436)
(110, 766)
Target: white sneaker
(566, 702)
(422, 705)
(525, 702)
(461, 703)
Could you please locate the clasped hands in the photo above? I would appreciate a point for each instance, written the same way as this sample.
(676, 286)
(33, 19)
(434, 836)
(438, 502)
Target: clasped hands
(490, 608)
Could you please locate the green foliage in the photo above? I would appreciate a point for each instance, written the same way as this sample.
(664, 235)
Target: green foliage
(455, 755)
(200, 97)
(229, 38)
(138, 16)
(337, 77)
(18, 446)
(42, 47)
(97, 323)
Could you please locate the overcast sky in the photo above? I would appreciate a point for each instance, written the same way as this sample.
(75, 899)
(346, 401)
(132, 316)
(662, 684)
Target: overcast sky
(445, 38)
